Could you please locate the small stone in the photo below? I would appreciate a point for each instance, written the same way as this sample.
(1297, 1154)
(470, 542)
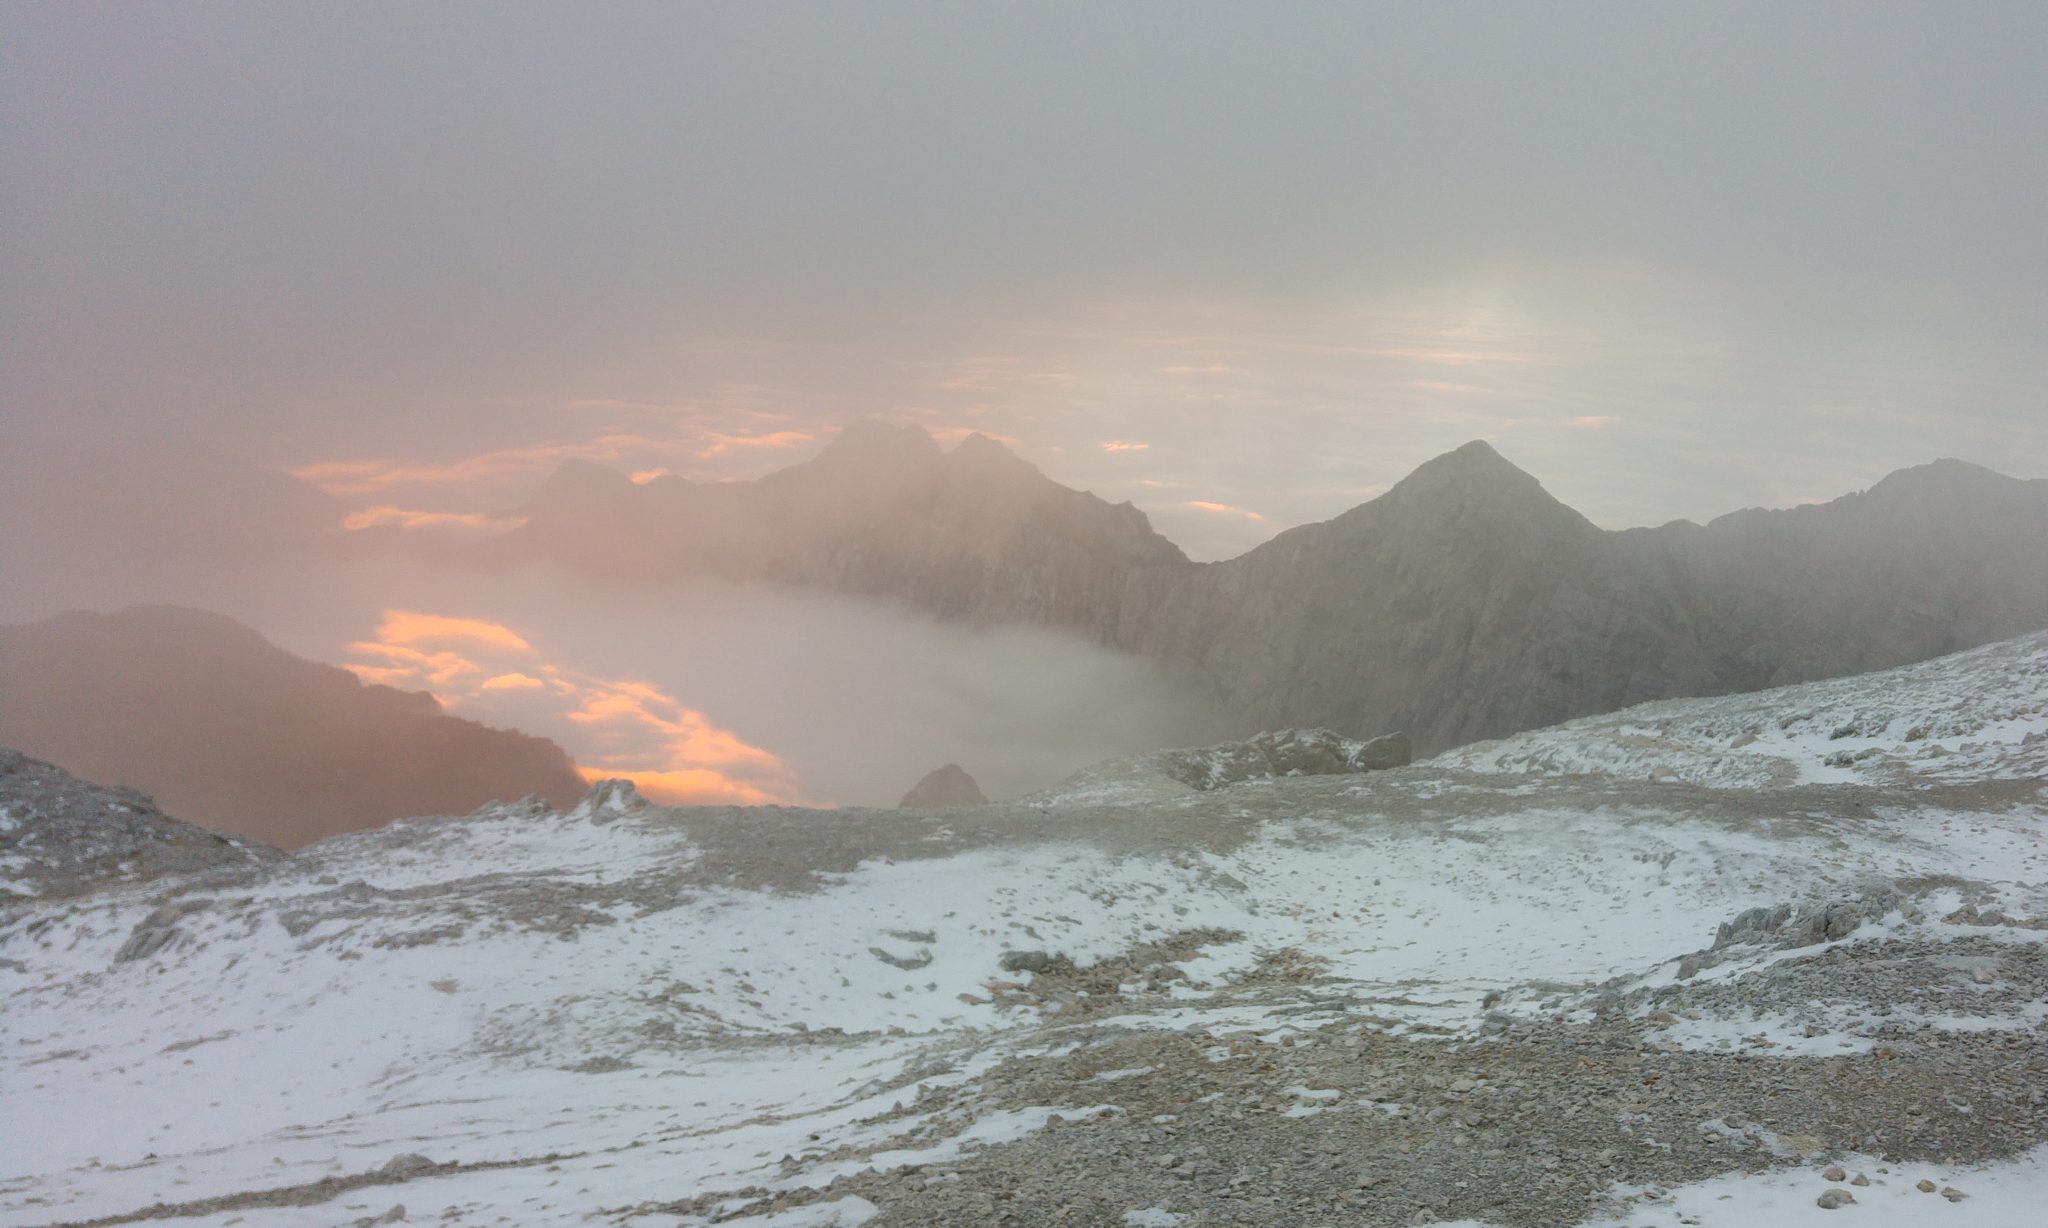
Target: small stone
(1952, 1193)
(1833, 1199)
(1859, 1179)
(1925, 1186)
(1168, 1160)
(1834, 1174)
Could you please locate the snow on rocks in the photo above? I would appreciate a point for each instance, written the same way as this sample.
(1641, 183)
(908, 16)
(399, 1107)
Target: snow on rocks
(1495, 987)
(1975, 716)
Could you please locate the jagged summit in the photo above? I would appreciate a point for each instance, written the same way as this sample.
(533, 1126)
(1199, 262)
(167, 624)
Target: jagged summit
(871, 441)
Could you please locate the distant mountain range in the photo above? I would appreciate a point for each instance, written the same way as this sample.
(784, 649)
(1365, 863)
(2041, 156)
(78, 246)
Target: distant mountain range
(1465, 603)
(976, 533)
(215, 722)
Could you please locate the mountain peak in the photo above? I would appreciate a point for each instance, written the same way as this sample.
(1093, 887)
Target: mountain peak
(1946, 474)
(871, 441)
(1474, 456)
(1472, 466)
(1475, 479)
(980, 454)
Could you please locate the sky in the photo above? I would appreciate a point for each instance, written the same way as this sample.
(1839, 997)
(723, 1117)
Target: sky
(1243, 265)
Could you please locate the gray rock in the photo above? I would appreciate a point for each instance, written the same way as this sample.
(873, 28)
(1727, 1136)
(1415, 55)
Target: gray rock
(67, 836)
(1285, 752)
(1833, 1199)
(1025, 961)
(409, 1164)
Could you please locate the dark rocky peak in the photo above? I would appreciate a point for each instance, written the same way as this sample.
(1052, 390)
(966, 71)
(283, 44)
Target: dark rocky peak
(1470, 489)
(1474, 469)
(944, 789)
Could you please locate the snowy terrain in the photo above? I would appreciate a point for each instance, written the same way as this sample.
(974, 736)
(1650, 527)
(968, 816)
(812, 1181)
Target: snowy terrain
(628, 1014)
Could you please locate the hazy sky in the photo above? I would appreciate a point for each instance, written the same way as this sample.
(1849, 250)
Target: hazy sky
(1244, 264)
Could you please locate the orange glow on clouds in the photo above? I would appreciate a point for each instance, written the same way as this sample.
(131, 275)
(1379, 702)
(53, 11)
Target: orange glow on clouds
(410, 627)
(1223, 509)
(363, 477)
(513, 682)
(413, 518)
(722, 444)
(1592, 422)
(613, 727)
(1122, 445)
(690, 787)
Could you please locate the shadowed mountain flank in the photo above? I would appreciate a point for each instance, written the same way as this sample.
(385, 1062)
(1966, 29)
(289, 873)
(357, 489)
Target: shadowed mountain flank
(1465, 603)
(1468, 603)
(216, 722)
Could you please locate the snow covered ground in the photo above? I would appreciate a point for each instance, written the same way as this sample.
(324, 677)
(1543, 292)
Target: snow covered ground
(1977, 715)
(636, 1015)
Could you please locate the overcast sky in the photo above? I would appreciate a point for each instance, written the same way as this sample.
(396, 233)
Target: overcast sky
(1245, 265)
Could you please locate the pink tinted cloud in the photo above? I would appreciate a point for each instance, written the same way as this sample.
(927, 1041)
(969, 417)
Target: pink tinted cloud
(1223, 509)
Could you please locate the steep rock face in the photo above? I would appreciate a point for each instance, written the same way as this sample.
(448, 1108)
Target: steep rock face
(944, 788)
(975, 533)
(214, 720)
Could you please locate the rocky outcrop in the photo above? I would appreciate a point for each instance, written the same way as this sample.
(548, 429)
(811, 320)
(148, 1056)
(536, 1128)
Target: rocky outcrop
(214, 720)
(60, 836)
(944, 789)
(1289, 752)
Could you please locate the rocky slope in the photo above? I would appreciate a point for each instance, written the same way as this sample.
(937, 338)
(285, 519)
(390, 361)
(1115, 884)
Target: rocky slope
(215, 721)
(1465, 603)
(61, 836)
(1621, 972)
